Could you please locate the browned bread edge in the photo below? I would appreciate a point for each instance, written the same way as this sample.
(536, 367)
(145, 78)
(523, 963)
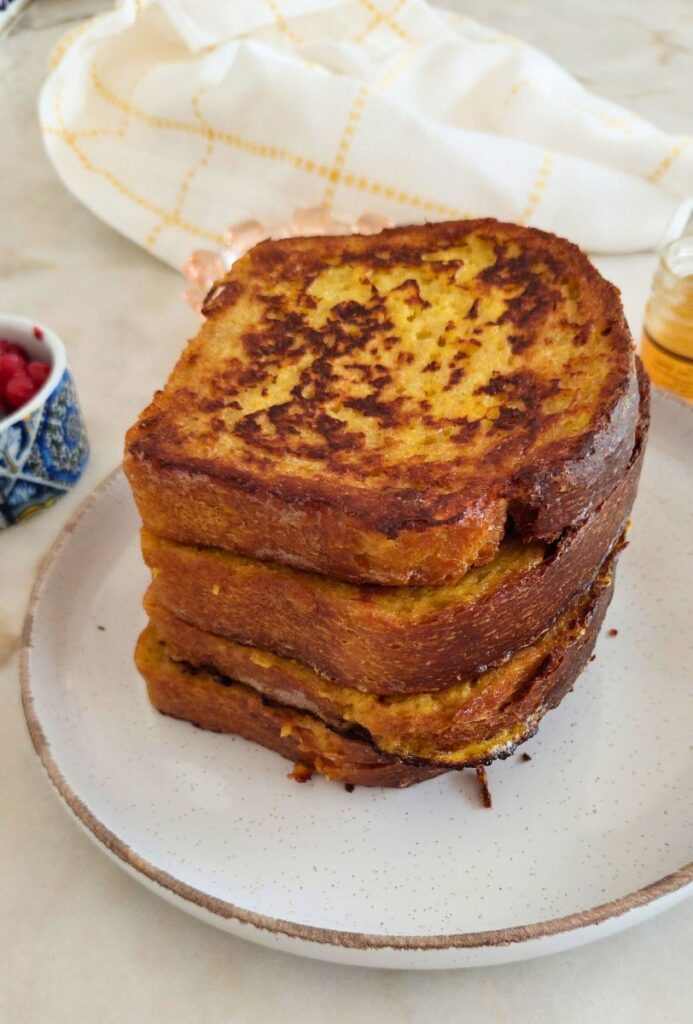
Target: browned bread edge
(208, 704)
(392, 538)
(349, 639)
(224, 706)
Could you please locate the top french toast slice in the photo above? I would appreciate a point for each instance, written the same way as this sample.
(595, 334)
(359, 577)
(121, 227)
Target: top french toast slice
(378, 408)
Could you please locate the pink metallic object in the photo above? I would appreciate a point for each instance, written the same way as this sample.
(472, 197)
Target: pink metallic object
(203, 267)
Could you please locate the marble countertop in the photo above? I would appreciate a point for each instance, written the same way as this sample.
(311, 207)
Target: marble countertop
(80, 941)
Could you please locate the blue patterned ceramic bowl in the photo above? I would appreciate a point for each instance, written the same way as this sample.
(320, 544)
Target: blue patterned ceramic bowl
(43, 445)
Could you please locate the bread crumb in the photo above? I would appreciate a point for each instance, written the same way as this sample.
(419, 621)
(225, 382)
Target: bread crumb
(525, 757)
(612, 632)
(301, 772)
(483, 783)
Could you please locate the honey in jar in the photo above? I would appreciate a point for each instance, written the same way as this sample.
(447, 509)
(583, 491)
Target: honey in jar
(667, 342)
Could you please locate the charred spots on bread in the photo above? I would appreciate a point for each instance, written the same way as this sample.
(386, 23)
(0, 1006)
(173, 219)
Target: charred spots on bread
(473, 311)
(385, 412)
(519, 343)
(455, 376)
(222, 295)
(412, 293)
(510, 418)
(336, 433)
(523, 385)
(302, 341)
(522, 393)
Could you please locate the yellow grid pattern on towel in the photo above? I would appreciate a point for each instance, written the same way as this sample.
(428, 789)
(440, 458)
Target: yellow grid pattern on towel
(282, 25)
(540, 183)
(667, 161)
(353, 118)
(334, 174)
(624, 123)
(388, 78)
(385, 17)
(260, 149)
(380, 18)
(125, 190)
(265, 151)
(173, 216)
(69, 39)
(121, 131)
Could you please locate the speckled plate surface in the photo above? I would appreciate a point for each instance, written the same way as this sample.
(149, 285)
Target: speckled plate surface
(590, 836)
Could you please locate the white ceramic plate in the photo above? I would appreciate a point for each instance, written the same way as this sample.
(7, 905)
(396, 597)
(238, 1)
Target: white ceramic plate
(590, 836)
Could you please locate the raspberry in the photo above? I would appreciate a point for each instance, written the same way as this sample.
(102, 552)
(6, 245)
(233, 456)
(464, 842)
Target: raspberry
(10, 364)
(9, 346)
(20, 377)
(38, 372)
(18, 390)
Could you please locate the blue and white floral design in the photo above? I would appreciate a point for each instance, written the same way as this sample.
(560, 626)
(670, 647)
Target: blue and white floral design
(42, 456)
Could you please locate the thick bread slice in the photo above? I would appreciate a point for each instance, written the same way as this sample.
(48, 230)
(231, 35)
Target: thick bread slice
(468, 722)
(390, 640)
(224, 706)
(378, 409)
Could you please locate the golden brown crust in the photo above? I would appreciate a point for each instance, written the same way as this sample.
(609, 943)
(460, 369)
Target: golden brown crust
(499, 718)
(387, 640)
(201, 699)
(194, 508)
(283, 680)
(519, 711)
(311, 445)
(436, 726)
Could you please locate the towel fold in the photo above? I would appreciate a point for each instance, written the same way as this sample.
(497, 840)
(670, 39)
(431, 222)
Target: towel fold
(171, 119)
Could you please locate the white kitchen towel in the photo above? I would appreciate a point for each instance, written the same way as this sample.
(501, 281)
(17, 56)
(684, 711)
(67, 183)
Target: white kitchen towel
(171, 119)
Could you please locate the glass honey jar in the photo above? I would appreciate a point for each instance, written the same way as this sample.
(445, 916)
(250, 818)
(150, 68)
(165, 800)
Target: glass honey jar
(667, 342)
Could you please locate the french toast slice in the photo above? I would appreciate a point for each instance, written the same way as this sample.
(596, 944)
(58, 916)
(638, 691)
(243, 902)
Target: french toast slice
(220, 705)
(380, 409)
(390, 640)
(462, 727)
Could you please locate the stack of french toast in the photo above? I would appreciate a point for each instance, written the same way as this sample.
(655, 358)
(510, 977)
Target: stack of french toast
(383, 493)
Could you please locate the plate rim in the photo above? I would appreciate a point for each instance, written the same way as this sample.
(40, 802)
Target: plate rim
(667, 885)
